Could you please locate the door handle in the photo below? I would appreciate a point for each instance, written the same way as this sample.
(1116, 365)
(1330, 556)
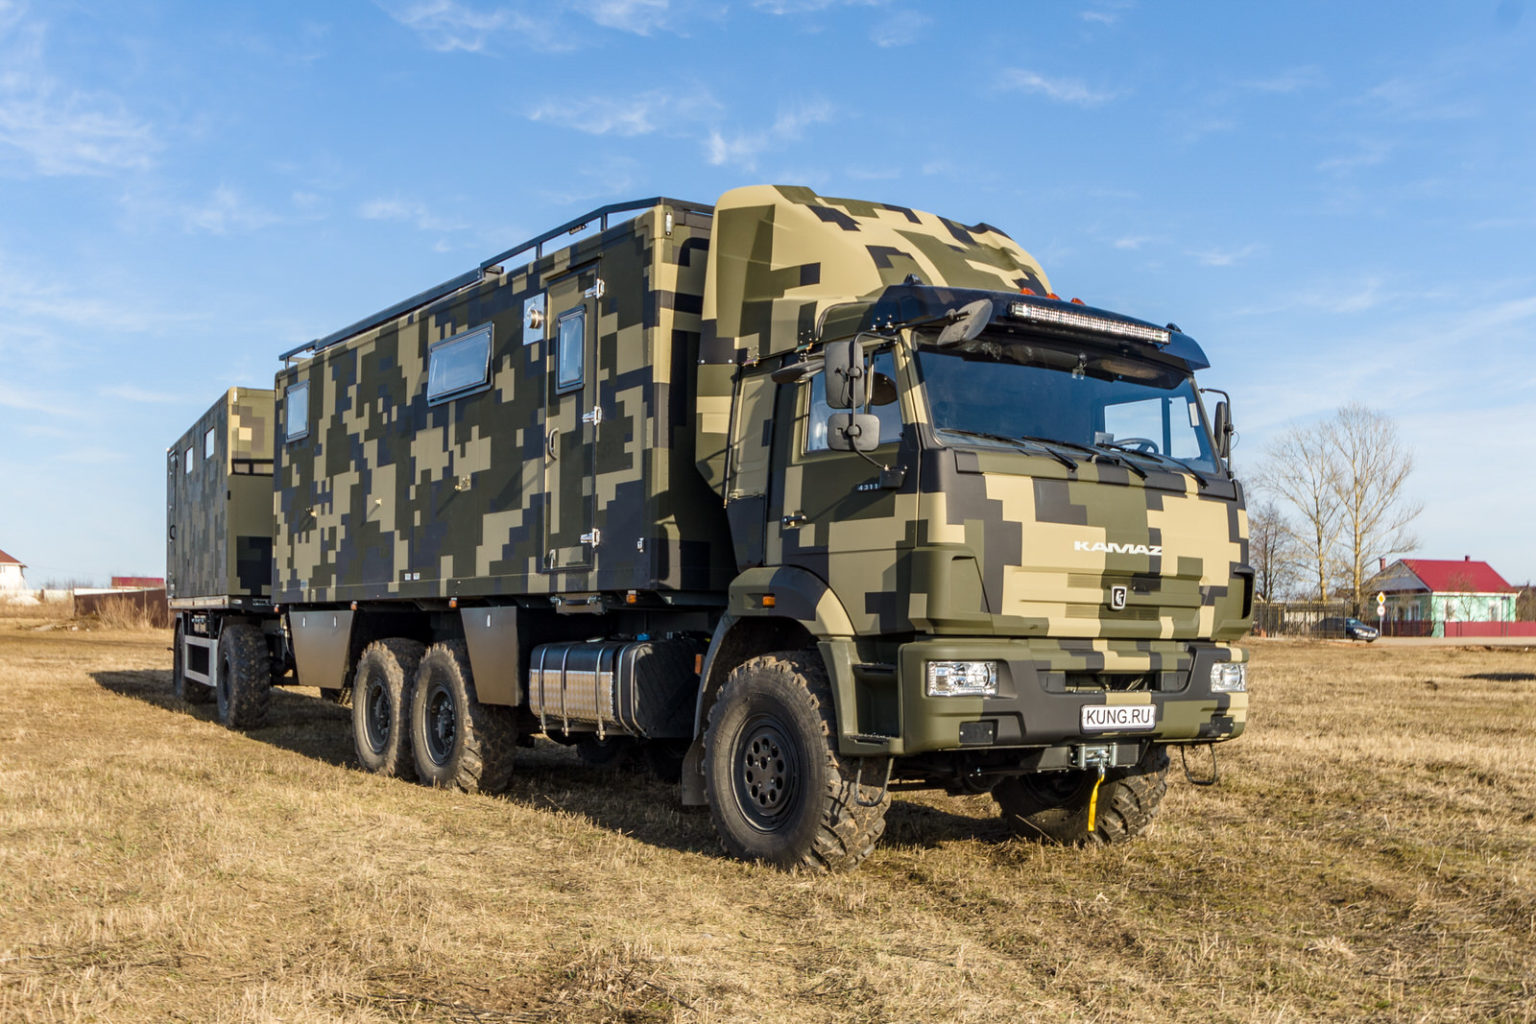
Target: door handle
(794, 519)
(549, 442)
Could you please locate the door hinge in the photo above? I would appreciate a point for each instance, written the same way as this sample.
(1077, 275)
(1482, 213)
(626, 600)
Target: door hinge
(594, 538)
(594, 417)
(596, 291)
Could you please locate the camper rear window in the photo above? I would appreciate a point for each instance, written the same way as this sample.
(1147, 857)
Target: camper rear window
(296, 412)
(459, 365)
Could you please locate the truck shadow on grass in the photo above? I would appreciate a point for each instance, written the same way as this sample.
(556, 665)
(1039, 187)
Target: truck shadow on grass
(627, 800)
(298, 722)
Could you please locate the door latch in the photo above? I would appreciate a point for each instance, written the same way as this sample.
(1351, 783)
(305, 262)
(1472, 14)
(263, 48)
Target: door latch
(594, 417)
(594, 538)
(795, 519)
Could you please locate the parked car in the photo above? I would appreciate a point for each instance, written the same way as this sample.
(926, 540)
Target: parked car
(1346, 628)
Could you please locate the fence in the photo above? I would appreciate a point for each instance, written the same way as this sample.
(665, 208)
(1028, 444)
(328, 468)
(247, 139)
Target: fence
(1300, 618)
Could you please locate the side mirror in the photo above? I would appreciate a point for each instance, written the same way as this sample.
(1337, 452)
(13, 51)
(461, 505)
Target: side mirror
(853, 432)
(1223, 430)
(847, 379)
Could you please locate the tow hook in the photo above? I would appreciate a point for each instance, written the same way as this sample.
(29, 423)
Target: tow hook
(1093, 799)
(1215, 771)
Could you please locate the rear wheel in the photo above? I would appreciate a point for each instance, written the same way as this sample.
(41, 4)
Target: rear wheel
(457, 741)
(184, 688)
(778, 791)
(381, 706)
(244, 687)
(1054, 806)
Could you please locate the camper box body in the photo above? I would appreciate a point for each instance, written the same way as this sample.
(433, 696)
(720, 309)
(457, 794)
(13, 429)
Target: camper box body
(530, 434)
(218, 543)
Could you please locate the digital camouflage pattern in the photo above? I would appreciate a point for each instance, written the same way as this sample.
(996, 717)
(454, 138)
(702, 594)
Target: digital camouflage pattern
(517, 488)
(672, 466)
(218, 547)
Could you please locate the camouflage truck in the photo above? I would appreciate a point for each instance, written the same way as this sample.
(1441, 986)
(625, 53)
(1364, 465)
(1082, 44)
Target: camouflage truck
(808, 500)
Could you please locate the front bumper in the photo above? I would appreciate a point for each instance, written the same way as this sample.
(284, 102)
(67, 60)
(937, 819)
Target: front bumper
(1043, 686)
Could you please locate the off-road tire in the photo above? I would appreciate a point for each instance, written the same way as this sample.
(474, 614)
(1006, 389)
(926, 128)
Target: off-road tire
(184, 688)
(381, 706)
(244, 688)
(1053, 806)
(458, 742)
(778, 791)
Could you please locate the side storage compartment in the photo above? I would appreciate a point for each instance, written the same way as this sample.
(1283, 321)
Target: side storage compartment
(642, 688)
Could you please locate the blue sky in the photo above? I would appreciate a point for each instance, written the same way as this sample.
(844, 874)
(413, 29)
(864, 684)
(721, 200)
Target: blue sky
(1337, 200)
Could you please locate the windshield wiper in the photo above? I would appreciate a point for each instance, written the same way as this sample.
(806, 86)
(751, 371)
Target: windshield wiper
(1160, 458)
(1035, 442)
(1093, 453)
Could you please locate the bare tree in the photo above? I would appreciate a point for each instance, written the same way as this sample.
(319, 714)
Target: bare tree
(1300, 467)
(1272, 549)
(1371, 466)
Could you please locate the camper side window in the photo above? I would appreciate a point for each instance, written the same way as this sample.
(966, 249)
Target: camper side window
(459, 365)
(190, 451)
(210, 444)
(572, 347)
(296, 412)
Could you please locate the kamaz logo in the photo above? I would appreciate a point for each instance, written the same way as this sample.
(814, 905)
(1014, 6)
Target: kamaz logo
(1113, 548)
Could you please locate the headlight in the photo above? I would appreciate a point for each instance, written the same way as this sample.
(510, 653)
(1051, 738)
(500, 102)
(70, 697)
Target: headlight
(962, 679)
(1229, 678)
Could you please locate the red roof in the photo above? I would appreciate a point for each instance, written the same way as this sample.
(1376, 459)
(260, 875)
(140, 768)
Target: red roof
(1450, 576)
(6, 559)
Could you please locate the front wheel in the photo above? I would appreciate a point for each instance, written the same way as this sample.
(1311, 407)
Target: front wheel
(778, 791)
(1055, 806)
(457, 741)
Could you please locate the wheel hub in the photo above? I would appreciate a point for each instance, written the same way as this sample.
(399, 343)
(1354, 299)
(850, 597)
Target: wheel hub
(442, 724)
(767, 773)
(378, 717)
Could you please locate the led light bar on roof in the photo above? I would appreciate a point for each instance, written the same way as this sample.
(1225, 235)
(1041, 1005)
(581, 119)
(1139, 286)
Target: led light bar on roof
(1053, 317)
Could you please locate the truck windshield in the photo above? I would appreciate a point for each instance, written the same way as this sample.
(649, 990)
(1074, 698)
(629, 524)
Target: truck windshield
(1058, 392)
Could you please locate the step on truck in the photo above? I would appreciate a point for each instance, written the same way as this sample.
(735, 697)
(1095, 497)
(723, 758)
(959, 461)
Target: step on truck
(807, 500)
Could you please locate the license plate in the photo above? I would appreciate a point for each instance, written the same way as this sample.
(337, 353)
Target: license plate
(1119, 717)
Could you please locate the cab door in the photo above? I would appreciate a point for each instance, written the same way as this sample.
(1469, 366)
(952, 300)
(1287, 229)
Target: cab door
(571, 421)
(831, 513)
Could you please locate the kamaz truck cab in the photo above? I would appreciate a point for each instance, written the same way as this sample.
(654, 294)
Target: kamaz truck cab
(1005, 519)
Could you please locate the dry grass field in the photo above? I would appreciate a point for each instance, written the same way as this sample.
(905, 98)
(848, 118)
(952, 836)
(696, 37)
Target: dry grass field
(1369, 855)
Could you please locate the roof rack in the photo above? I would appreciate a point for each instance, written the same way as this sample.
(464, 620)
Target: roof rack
(474, 277)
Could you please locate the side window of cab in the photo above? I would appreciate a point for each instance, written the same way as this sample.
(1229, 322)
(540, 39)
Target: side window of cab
(883, 404)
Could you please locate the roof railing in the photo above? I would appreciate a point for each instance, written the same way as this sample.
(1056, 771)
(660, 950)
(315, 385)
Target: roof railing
(493, 265)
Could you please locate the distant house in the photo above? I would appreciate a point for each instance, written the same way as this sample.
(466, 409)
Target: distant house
(1423, 594)
(13, 578)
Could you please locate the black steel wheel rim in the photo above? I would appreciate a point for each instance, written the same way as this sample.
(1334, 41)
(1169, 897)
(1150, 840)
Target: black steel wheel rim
(767, 774)
(378, 717)
(442, 724)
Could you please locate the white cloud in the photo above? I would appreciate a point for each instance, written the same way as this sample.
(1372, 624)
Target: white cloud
(226, 210)
(642, 17)
(780, 7)
(1132, 242)
(1291, 80)
(1061, 90)
(1368, 153)
(1225, 257)
(901, 29)
(54, 128)
(131, 393)
(743, 150)
(625, 117)
(1106, 13)
(1418, 98)
(407, 211)
(447, 26)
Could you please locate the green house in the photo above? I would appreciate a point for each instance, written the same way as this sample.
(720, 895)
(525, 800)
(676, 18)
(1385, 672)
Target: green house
(1420, 595)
